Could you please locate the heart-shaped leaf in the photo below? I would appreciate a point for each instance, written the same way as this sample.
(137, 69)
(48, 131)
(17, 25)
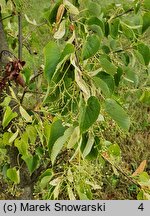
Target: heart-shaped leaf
(91, 46)
(89, 113)
(117, 113)
(52, 55)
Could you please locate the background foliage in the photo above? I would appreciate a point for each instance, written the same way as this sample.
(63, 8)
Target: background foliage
(79, 129)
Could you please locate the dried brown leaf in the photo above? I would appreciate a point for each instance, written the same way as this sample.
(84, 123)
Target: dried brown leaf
(106, 155)
(60, 13)
(140, 169)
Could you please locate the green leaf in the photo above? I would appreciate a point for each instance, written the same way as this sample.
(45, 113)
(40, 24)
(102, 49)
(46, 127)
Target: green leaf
(89, 113)
(140, 195)
(99, 83)
(117, 113)
(105, 49)
(144, 178)
(139, 57)
(114, 151)
(8, 116)
(52, 55)
(52, 12)
(94, 9)
(48, 172)
(96, 30)
(146, 4)
(146, 21)
(45, 181)
(22, 144)
(69, 48)
(137, 7)
(27, 74)
(131, 75)
(145, 97)
(145, 52)
(13, 175)
(106, 29)
(108, 66)
(56, 131)
(90, 47)
(95, 149)
(114, 28)
(59, 143)
(31, 161)
(6, 137)
(108, 79)
(6, 101)
(32, 133)
(95, 21)
(118, 75)
(128, 32)
(84, 191)
(47, 128)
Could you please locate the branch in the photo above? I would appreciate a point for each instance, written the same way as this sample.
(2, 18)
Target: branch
(121, 171)
(31, 81)
(20, 35)
(123, 13)
(6, 17)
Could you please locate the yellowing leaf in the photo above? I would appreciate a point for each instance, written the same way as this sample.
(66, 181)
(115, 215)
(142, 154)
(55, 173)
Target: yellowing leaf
(56, 191)
(14, 175)
(106, 156)
(14, 136)
(25, 115)
(82, 84)
(89, 145)
(12, 93)
(59, 143)
(140, 169)
(61, 30)
(70, 193)
(55, 181)
(70, 176)
(8, 116)
(33, 22)
(74, 137)
(72, 9)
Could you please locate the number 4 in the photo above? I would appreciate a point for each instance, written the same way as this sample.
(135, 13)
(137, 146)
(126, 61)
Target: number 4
(141, 207)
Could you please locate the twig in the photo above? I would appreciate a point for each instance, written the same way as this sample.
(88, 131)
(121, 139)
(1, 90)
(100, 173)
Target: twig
(123, 173)
(33, 78)
(31, 81)
(6, 17)
(20, 35)
(123, 13)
